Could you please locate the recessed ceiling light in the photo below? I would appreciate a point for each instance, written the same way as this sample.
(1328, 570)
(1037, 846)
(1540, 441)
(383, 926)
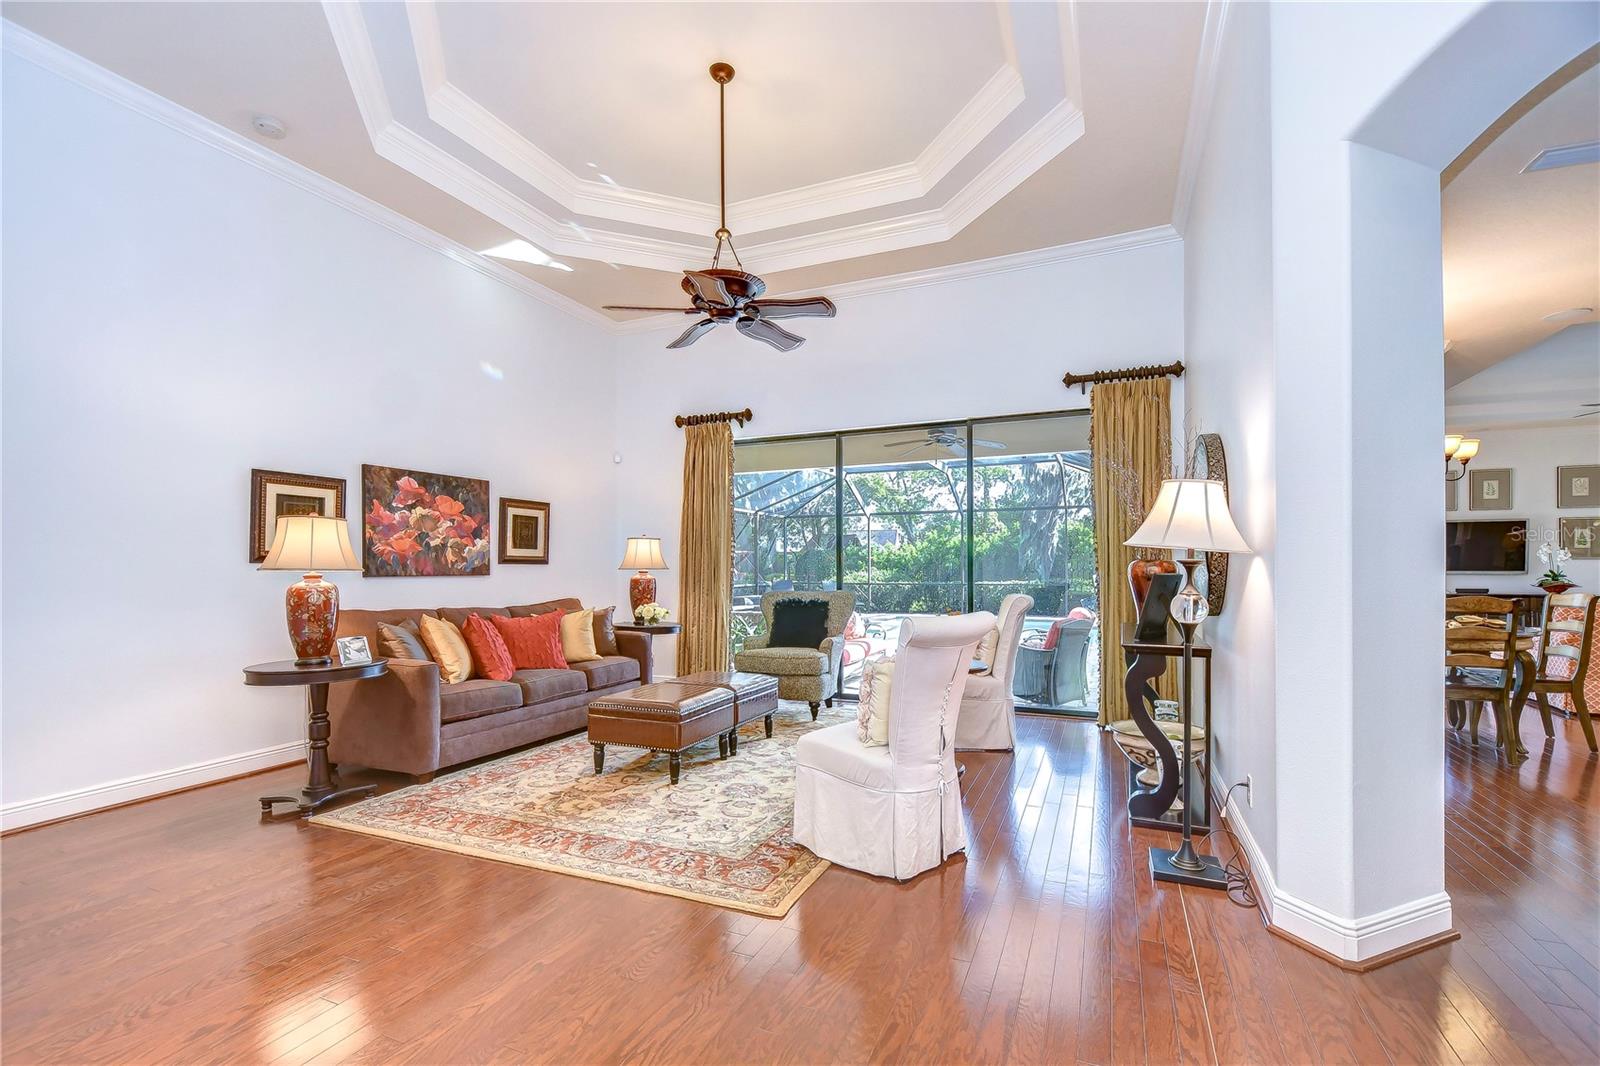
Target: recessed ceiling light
(1571, 314)
(1566, 155)
(521, 251)
(269, 126)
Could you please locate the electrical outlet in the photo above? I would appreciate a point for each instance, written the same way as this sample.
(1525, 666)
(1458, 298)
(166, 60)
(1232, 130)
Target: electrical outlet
(1250, 791)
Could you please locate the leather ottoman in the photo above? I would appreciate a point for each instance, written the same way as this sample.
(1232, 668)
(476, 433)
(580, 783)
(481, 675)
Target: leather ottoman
(754, 696)
(668, 716)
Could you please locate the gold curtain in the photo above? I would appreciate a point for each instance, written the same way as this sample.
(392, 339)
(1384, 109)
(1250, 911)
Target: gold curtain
(1130, 445)
(705, 546)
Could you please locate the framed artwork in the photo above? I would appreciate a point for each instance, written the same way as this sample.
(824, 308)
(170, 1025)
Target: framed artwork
(417, 524)
(274, 493)
(524, 531)
(1581, 536)
(1210, 462)
(1489, 490)
(353, 651)
(1452, 498)
(1577, 486)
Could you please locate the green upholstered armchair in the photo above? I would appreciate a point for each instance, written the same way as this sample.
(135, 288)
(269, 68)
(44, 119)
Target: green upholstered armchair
(803, 673)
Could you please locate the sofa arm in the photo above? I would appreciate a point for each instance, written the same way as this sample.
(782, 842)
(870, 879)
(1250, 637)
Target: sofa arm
(389, 722)
(637, 646)
(757, 640)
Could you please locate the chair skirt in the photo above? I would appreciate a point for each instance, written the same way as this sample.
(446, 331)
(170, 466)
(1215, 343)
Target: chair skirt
(987, 720)
(872, 828)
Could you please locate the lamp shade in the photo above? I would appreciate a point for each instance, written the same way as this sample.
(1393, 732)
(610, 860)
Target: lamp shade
(1452, 442)
(1468, 449)
(1189, 513)
(310, 543)
(644, 553)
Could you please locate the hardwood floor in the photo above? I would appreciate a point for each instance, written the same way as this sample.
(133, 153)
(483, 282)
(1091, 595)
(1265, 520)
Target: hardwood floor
(183, 930)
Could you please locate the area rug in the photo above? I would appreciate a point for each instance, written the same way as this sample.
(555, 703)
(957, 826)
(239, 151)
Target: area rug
(722, 835)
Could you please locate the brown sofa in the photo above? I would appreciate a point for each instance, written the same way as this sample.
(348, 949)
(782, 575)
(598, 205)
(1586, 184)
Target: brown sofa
(408, 722)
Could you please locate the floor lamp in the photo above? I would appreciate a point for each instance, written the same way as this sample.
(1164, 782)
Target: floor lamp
(1191, 515)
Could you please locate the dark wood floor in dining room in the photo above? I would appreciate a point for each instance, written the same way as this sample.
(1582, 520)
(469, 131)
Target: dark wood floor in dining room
(182, 930)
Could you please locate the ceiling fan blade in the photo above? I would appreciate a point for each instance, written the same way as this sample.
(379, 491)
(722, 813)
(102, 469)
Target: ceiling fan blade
(672, 310)
(908, 440)
(694, 333)
(767, 333)
(709, 288)
(805, 307)
(980, 442)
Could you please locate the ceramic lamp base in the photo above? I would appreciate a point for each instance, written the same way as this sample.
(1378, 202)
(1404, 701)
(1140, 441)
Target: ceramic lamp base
(312, 605)
(641, 590)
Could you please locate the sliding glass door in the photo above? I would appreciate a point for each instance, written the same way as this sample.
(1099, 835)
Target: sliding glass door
(931, 519)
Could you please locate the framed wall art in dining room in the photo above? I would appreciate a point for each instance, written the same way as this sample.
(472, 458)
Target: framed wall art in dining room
(274, 493)
(417, 524)
(1581, 536)
(524, 531)
(1490, 490)
(1578, 486)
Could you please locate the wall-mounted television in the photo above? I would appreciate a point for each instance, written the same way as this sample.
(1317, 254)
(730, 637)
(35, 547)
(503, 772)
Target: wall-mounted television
(1499, 546)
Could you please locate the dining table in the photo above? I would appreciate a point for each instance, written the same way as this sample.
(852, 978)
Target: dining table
(1471, 639)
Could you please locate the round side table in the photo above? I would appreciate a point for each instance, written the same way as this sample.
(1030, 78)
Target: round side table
(319, 788)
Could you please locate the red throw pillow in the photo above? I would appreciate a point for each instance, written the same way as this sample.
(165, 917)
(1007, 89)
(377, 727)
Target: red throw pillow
(490, 656)
(534, 642)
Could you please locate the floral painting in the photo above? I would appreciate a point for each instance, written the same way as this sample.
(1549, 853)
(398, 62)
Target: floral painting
(418, 524)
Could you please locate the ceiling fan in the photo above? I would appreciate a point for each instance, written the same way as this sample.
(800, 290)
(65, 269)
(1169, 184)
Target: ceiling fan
(733, 295)
(1586, 414)
(942, 437)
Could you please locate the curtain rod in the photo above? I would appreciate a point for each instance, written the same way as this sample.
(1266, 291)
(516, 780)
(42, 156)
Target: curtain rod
(1085, 380)
(740, 417)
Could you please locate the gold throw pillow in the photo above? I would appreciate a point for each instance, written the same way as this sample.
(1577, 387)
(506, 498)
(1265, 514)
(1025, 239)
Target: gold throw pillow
(447, 647)
(577, 637)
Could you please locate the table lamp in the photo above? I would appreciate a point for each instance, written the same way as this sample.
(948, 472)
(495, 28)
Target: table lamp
(1189, 514)
(643, 555)
(311, 544)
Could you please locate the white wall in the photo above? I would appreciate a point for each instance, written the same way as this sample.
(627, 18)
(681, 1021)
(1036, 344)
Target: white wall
(174, 317)
(991, 345)
(1532, 456)
(1229, 348)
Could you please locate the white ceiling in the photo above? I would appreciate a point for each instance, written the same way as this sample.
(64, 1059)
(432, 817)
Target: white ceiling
(1548, 384)
(1518, 247)
(864, 139)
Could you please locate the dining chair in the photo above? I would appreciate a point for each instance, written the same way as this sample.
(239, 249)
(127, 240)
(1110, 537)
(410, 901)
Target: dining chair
(1545, 683)
(1476, 675)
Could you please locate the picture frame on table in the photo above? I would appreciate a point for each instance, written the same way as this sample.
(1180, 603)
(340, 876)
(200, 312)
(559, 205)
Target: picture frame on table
(353, 651)
(274, 493)
(1489, 490)
(1581, 536)
(1578, 486)
(524, 531)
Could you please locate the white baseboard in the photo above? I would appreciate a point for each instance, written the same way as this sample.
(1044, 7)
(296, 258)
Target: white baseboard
(1354, 940)
(112, 793)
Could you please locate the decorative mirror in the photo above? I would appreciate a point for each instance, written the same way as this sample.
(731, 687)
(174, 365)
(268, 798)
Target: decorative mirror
(1209, 462)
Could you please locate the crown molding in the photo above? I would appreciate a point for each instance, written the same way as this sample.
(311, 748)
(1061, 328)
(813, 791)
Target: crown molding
(47, 55)
(1133, 240)
(1201, 99)
(458, 113)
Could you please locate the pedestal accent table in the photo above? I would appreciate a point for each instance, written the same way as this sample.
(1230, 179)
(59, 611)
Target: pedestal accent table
(1155, 807)
(319, 788)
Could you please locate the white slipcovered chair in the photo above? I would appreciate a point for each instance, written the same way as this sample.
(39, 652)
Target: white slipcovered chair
(988, 719)
(894, 811)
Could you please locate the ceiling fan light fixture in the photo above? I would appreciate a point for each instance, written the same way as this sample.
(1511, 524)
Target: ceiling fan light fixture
(733, 295)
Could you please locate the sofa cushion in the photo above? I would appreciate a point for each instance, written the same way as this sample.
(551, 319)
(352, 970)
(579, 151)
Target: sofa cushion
(471, 699)
(577, 637)
(402, 641)
(783, 662)
(605, 633)
(448, 648)
(525, 610)
(457, 616)
(608, 670)
(541, 685)
(535, 642)
(490, 657)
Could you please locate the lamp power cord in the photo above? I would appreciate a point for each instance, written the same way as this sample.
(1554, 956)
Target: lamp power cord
(1240, 889)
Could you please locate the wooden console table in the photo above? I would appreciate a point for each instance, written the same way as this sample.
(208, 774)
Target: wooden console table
(1152, 807)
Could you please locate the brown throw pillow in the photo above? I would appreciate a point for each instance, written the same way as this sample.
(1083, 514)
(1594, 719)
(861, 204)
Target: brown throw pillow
(605, 633)
(403, 641)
